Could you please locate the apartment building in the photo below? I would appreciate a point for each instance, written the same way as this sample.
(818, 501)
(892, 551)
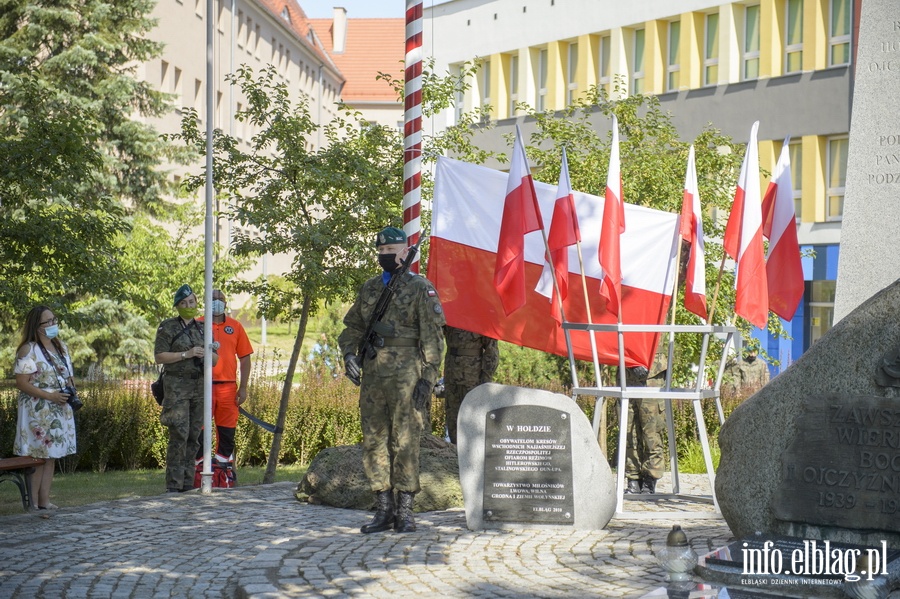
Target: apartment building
(786, 63)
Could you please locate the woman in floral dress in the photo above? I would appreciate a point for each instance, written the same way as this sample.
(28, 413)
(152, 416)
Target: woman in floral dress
(46, 424)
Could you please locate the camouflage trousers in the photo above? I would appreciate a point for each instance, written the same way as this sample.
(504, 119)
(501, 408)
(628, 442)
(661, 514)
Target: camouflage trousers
(182, 413)
(391, 428)
(453, 398)
(645, 453)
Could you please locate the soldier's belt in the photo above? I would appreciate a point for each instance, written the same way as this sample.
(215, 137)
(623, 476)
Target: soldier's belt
(400, 342)
(455, 351)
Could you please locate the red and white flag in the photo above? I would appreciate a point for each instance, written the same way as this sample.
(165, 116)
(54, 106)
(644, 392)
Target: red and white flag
(744, 243)
(521, 215)
(563, 233)
(784, 269)
(692, 232)
(466, 220)
(612, 228)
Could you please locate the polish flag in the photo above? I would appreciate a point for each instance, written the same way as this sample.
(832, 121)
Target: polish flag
(743, 241)
(467, 215)
(784, 270)
(563, 233)
(612, 228)
(521, 215)
(692, 232)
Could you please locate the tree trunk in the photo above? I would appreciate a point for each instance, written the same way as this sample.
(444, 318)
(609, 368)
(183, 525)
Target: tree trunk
(269, 477)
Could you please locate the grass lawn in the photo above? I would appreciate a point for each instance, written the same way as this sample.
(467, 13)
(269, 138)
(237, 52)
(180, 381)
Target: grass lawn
(83, 488)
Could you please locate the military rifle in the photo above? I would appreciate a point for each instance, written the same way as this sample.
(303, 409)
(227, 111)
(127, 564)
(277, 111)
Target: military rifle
(371, 341)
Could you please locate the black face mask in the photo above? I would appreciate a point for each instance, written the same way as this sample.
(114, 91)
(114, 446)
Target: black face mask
(388, 262)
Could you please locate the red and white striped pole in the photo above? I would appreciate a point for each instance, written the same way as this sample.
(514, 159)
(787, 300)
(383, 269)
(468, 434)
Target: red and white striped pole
(412, 125)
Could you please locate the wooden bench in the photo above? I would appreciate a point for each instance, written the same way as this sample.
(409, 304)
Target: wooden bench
(18, 471)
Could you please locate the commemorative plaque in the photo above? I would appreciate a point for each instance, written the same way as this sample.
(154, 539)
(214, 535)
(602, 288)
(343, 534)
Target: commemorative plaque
(843, 467)
(528, 466)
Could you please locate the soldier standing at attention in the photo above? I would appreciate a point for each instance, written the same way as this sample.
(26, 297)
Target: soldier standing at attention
(645, 452)
(471, 360)
(395, 383)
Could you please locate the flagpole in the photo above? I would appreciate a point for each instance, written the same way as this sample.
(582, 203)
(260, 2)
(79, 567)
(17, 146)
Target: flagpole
(562, 313)
(601, 428)
(412, 126)
(712, 308)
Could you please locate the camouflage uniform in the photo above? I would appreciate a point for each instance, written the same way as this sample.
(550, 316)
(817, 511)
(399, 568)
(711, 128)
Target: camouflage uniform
(182, 408)
(414, 344)
(645, 452)
(471, 360)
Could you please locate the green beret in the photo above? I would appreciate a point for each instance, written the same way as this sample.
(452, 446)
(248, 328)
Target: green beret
(390, 235)
(183, 292)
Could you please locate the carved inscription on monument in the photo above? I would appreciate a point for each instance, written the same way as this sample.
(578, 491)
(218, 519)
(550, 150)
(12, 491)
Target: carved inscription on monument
(843, 467)
(528, 466)
(883, 58)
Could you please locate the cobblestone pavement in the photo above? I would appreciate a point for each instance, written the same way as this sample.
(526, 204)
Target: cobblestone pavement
(260, 542)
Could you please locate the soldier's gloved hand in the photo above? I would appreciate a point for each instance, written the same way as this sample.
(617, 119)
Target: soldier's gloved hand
(421, 393)
(352, 368)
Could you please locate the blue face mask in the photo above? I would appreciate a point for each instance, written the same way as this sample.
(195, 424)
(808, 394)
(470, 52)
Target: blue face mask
(218, 307)
(52, 331)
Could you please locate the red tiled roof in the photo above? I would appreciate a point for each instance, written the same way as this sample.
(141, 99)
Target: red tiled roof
(372, 46)
(300, 24)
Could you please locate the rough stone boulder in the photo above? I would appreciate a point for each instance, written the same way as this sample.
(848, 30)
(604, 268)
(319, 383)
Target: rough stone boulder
(832, 377)
(336, 478)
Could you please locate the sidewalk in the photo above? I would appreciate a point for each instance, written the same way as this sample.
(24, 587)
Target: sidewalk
(259, 542)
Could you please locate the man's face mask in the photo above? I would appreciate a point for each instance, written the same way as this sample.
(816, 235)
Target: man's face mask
(388, 262)
(218, 307)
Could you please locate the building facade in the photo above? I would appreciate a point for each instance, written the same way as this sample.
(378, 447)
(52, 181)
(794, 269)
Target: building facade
(786, 63)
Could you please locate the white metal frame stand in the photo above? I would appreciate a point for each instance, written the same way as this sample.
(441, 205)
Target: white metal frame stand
(695, 395)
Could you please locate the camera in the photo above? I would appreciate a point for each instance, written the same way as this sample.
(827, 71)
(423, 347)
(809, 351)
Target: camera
(73, 398)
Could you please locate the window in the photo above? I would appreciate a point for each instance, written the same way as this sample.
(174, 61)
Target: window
(673, 56)
(256, 44)
(458, 94)
(751, 42)
(199, 5)
(637, 74)
(542, 80)
(486, 83)
(603, 60)
(240, 124)
(572, 74)
(837, 177)
(793, 42)
(513, 84)
(242, 29)
(821, 308)
(164, 75)
(219, 107)
(176, 87)
(795, 152)
(249, 35)
(839, 40)
(711, 50)
(198, 98)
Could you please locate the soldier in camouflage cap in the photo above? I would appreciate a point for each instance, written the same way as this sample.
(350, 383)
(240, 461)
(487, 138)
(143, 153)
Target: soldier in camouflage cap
(471, 360)
(179, 347)
(397, 382)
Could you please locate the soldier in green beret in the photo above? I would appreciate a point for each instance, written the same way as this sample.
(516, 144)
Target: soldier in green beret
(179, 347)
(397, 382)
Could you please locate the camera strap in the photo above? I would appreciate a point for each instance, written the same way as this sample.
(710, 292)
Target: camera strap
(62, 357)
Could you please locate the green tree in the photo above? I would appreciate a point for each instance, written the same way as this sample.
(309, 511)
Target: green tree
(75, 160)
(322, 207)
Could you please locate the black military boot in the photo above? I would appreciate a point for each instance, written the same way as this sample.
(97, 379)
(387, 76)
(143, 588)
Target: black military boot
(648, 485)
(633, 487)
(405, 520)
(384, 513)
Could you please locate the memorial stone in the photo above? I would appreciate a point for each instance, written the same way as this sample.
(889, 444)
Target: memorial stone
(813, 454)
(529, 458)
(871, 208)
